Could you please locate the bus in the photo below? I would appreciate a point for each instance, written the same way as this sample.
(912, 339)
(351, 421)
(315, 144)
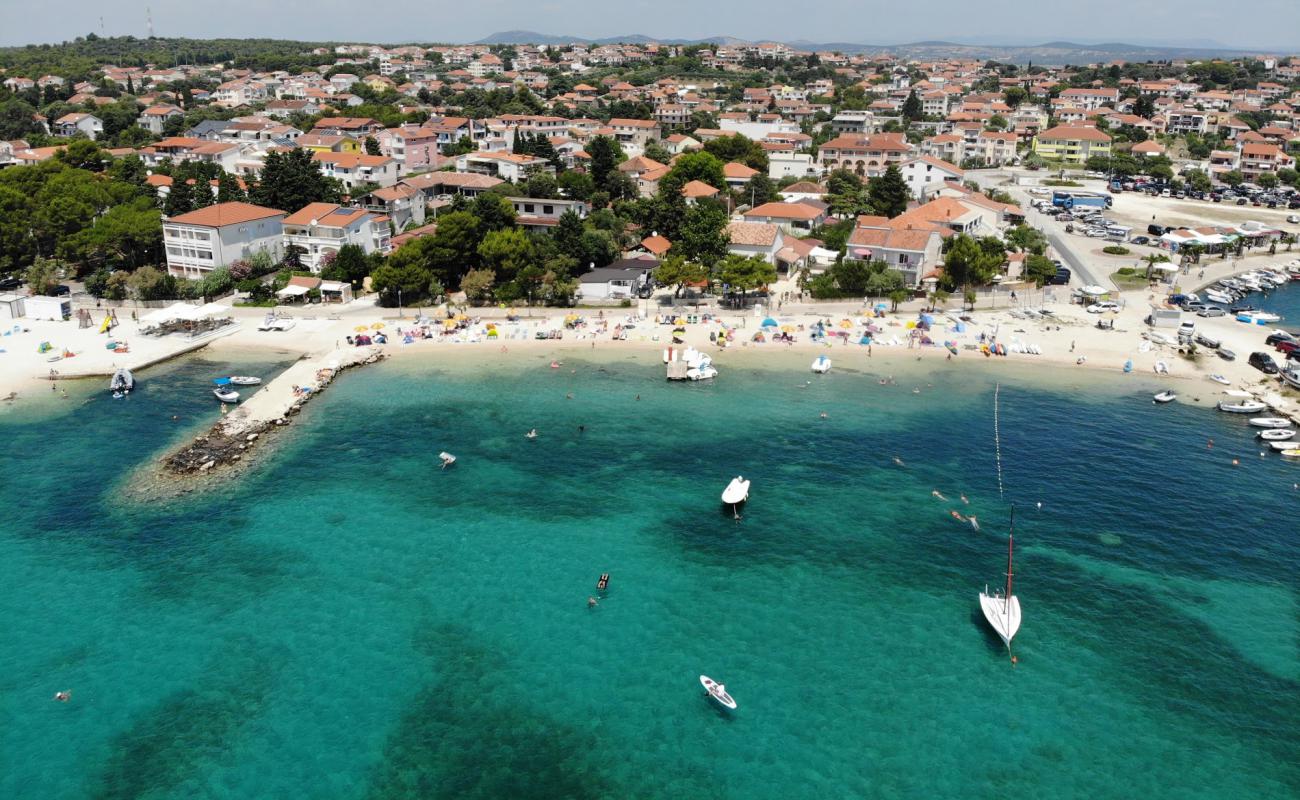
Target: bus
(1076, 199)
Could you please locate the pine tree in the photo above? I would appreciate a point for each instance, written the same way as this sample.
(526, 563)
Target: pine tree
(180, 199)
(889, 193)
(912, 107)
(229, 190)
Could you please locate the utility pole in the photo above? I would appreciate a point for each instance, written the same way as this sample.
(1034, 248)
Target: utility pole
(148, 19)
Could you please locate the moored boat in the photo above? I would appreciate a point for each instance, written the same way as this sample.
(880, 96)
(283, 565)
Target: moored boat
(1167, 396)
(244, 380)
(821, 365)
(446, 458)
(122, 381)
(1002, 610)
(1217, 378)
(1242, 407)
(1277, 434)
(225, 394)
(1269, 422)
(736, 492)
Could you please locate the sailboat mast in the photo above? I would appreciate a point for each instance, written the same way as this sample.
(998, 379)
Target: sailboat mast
(1011, 543)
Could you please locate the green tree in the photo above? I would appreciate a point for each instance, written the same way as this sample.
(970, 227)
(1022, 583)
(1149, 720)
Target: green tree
(17, 119)
(477, 285)
(1267, 180)
(1198, 180)
(758, 190)
(889, 194)
(1039, 268)
(404, 281)
(567, 236)
(897, 296)
(703, 235)
(678, 272)
(180, 198)
(149, 283)
(1288, 176)
(1144, 107)
(912, 107)
(966, 263)
(605, 156)
(746, 273)
(740, 149)
(1026, 239)
(83, 154)
(577, 185)
(846, 194)
(350, 264)
(216, 283)
(43, 276)
(493, 212)
(1232, 178)
(229, 190)
(698, 166)
(371, 145)
(291, 181)
(506, 252)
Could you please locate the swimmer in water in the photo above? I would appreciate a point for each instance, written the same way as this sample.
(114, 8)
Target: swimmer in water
(532, 434)
(898, 461)
(824, 415)
(974, 523)
(1040, 505)
(964, 500)
(957, 516)
(569, 396)
(591, 602)
(940, 496)
(63, 697)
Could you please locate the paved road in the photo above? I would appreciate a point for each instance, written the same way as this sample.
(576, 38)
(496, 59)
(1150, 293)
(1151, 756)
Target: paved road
(1078, 267)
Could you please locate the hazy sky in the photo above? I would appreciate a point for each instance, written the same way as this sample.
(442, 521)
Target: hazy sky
(1267, 24)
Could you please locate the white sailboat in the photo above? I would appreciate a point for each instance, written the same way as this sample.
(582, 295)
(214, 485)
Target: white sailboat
(1003, 610)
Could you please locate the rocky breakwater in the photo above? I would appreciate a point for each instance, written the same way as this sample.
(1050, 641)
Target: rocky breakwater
(268, 410)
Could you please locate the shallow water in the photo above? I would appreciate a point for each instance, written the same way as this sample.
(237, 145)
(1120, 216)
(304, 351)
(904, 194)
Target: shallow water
(349, 621)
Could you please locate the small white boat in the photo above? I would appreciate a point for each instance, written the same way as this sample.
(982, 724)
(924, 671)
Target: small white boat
(1217, 378)
(718, 692)
(1284, 445)
(1167, 396)
(1292, 453)
(736, 492)
(121, 382)
(447, 459)
(1217, 296)
(244, 380)
(821, 365)
(1243, 407)
(1161, 368)
(226, 395)
(1002, 610)
(1277, 434)
(1270, 422)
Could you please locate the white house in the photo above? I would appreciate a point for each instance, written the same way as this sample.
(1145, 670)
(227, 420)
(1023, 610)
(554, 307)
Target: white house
(925, 175)
(216, 236)
(323, 228)
(762, 239)
(511, 167)
(357, 169)
(72, 124)
(154, 118)
(620, 280)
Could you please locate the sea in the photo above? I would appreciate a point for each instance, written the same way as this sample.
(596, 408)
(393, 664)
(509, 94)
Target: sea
(347, 620)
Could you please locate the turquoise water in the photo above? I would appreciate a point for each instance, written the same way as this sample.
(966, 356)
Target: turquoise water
(349, 621)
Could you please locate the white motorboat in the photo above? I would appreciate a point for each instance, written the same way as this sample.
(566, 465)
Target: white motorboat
(1161, 368)
(1277, 434)
(122, 381)
(1237, 393)
(1270, 422)
(447, 459)
(821, 365)
(226, 395)
(699, 366)
(244, 380)
(1218, 297)
(718, 692)
(1265, 317)
(1286, 444)
(1217, 378)
(736, 492)
(1002, 610)
(1243, 407)
(1290, 377)
(1167, 396)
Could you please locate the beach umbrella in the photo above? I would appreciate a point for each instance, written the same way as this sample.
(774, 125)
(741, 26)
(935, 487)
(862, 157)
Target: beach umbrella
(788, 328)
(844, 323)
(769, 323)
(377, 326)
(679, 321)
(361, 329)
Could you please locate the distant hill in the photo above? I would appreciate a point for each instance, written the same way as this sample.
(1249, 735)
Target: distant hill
(1046, 53)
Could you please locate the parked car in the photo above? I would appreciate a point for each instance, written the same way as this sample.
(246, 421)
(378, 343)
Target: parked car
(1156, 230)
(1192, 306)
(1293, 218)
(1263, 362)
(1241, 201)
(1287, 346)
(1280, 336)
(1103, 306)
(1061, 278)
(1211, 311)
(9, 284)
(1141, 240)
(62, 290)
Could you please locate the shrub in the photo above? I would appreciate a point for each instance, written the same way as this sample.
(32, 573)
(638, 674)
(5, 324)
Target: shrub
(1115, 250)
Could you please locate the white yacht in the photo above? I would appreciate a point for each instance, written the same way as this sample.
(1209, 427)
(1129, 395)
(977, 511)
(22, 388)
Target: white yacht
(1002, 609)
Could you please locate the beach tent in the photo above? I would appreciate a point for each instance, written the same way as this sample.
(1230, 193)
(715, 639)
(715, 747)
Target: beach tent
(211, 310)
(171, 312)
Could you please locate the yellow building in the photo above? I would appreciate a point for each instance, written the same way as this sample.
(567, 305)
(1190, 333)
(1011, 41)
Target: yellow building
(1072, 143)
